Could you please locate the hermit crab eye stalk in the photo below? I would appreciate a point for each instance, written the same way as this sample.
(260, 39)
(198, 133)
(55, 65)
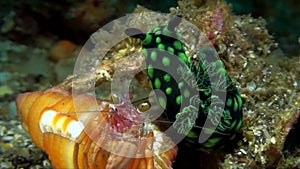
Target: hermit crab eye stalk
(144, 106)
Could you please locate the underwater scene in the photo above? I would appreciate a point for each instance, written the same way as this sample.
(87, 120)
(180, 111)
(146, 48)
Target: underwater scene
(99, 84)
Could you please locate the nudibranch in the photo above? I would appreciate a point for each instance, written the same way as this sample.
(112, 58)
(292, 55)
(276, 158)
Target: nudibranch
(53, 125)
(164, 53)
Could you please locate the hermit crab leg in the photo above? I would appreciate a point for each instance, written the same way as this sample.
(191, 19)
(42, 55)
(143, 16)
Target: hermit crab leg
(149, 150)
(118, 161)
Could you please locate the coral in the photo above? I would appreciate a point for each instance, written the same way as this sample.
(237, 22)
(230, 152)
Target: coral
(292, 141)
(269, 107)
(235, 37)
(282, 18)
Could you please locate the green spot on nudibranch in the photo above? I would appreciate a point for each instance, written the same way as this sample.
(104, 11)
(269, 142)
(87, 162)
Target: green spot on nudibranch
(178, 100)
(238, 126)
(153, 56)
(192, 134)
(167, 77)
(171, 50)
(232, 125)
(211, 142)
(222, 71)
(150, 71)
(155, 29)
(179, 36)
(186, 93)
(166, 31)
(240, 102)
(219, 63)
(166, 61)
(158, 40)
(144, 52)
(168, 90)
(183, 57)
(235, 105)
(177, 45)
(157, 83)
(229, 102)
(147, 40)
(206, 92)
(180, 85)
(157, 33)
(162, 102)
(161, 46)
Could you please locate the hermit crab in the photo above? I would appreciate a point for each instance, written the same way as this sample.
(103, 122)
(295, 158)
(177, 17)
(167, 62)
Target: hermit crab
(105, 139)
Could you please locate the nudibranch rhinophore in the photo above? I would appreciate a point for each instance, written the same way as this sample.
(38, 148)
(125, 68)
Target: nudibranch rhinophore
(164, 53)
(53, 125)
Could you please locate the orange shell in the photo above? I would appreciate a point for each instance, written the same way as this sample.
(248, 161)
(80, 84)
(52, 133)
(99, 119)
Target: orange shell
(50, 120)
